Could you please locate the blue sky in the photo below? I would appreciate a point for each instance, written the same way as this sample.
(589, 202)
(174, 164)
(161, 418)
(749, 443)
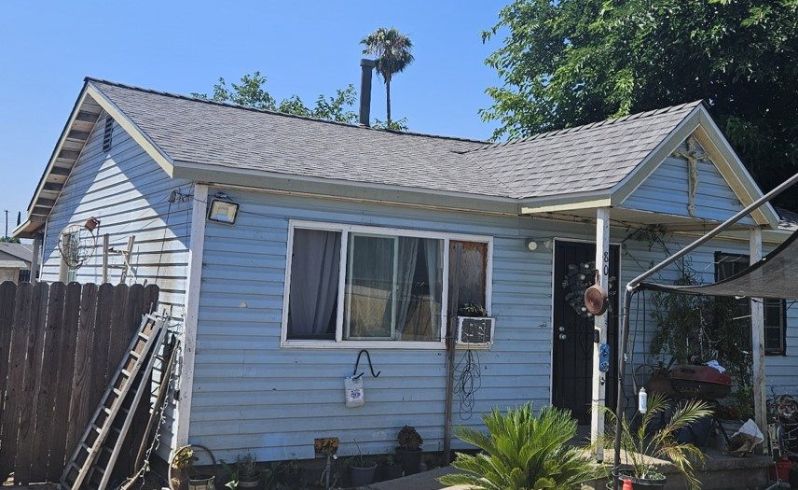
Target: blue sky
(304, 48)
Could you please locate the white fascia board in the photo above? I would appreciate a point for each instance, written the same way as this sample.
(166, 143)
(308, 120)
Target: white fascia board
(139, 136)
(626, 187)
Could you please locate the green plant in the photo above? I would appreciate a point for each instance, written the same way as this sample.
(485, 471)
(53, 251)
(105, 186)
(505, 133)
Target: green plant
(470, 309)
(523, 451)
(643, 442)
(409, 439)
(359, 460)
(394, 53)
(232, 483)
(247, 468)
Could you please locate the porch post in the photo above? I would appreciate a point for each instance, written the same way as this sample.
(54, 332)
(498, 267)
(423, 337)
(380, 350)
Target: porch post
(35, 260)
(758, 340)
(600, 325)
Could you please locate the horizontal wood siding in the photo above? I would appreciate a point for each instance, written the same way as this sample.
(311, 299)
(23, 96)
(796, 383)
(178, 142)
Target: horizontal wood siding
(666, 192)
(251, 395)
(129, 193)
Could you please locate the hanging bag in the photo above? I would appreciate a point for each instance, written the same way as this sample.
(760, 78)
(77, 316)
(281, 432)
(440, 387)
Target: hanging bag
(353, 385)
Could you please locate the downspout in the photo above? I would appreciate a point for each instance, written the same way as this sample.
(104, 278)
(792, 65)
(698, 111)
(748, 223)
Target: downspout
(634, 285)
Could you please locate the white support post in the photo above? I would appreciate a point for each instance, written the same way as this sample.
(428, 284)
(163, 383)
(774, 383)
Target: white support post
(758, 341)
(106, 246)
(600, 324)
(35, 262)
(191, 314)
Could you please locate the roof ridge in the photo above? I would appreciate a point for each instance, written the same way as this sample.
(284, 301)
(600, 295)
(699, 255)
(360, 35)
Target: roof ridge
(594, 124)
(189, 98)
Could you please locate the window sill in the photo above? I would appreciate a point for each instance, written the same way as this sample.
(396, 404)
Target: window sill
(362, 344)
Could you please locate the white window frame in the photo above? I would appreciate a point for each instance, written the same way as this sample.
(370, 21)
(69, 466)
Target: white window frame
(345, 230)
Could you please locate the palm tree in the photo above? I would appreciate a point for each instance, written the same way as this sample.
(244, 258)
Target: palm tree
(393, 52)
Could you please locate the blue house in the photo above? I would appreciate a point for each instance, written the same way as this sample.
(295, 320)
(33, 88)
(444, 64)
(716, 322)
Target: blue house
(284, 246)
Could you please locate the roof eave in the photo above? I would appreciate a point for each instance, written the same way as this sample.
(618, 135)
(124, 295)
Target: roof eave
(343, 189)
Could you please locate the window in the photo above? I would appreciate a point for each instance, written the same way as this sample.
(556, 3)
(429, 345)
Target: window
(355, 285)
(727, 265)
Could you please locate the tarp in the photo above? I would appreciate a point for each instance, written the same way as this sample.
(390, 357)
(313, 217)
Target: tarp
(775, 276)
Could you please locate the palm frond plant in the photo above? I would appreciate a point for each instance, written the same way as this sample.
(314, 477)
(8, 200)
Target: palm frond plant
(522, 451)
(643, 442)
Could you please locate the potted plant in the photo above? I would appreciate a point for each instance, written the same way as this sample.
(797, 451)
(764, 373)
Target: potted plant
(390, 469)
(408, 453)
(362, 471)
(644, 442)
(248, 473)
(183, 475)
(522, 450)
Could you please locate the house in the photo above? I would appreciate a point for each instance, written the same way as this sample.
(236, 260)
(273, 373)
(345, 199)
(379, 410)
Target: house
(286, 245)
(15, 262)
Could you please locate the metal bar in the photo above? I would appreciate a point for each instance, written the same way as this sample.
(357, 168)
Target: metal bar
(619, 401)
(634, 283)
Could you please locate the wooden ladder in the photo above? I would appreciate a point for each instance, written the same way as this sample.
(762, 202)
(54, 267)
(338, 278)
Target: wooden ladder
(86, 465)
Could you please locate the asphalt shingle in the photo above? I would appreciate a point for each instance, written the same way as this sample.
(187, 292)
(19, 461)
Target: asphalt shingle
(587, 158)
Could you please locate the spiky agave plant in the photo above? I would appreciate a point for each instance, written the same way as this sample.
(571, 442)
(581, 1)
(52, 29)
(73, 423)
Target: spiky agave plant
(642, 444)
(522, 451)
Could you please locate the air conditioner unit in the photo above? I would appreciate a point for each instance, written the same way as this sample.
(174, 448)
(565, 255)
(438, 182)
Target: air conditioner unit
(475, 331)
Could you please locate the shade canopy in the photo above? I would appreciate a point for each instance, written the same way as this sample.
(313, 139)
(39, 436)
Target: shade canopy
(775, 276)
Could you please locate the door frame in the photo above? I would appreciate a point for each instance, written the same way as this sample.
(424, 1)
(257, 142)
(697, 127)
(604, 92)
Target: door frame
(613, 349)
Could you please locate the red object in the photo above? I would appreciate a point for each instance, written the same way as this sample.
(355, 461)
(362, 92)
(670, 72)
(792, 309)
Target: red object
(780, 471)
(700, 381)
(627, 485)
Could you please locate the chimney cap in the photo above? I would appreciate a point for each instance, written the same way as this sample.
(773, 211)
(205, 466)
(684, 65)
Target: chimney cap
(367, 63)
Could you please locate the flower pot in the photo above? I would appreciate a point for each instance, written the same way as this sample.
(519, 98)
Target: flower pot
(391, 471)
(644, 482)
(363, 475)
(249, 483)
(410, 459)
(201, 482)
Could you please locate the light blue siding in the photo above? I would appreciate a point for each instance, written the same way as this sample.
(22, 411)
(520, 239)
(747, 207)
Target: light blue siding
(251, 395)
(666, 192)
(128, 192)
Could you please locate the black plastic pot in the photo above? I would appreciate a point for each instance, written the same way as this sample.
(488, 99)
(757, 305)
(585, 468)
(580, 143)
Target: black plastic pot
(363, 475)
(644, 482)
(391, 472)
(410, 459)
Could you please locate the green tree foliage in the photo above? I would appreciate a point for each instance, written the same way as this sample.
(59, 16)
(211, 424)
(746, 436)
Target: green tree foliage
(8, 239)
(250, 91)
(523, 452)
(572, 62)
(394, 53)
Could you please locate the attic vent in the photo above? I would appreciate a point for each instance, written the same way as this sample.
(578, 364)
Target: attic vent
(108, 134)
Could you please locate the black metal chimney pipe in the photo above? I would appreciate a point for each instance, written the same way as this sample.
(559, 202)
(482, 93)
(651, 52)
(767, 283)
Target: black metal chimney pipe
(367, 66)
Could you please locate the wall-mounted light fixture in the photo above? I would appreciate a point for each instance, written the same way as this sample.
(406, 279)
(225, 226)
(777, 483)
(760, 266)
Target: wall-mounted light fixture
(223, 210)
(534, 244)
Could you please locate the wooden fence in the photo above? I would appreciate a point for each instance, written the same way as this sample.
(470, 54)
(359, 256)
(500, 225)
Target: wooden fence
(59, 345)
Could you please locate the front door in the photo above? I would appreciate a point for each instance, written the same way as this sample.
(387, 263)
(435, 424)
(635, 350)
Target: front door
(574, 271)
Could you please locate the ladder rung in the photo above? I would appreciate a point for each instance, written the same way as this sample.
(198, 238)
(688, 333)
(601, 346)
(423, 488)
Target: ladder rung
(117, 392)
(144, 336)
(126, 372)
(135, 354)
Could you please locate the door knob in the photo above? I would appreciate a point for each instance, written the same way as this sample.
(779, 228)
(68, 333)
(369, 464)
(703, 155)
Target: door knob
(563, 336)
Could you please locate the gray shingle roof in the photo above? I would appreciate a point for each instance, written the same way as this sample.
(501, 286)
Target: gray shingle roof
(586, 158)
(581, 159)
(16, 250)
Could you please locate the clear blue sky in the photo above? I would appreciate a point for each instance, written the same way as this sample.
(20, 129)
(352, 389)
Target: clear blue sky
(304, 48)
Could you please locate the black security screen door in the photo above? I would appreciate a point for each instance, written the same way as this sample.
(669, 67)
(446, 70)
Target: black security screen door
(574, 266)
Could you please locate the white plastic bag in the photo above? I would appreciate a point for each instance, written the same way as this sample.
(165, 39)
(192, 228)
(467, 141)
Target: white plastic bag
(751, 431)
(353, 387)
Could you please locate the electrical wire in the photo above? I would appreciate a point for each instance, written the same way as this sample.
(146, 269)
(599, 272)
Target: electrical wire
(467, 382)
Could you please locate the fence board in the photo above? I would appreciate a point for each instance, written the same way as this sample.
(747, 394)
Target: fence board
(47, 378)
(30, 388)
(65, 366)
(8, 294)
(59, 346)
(79, 405)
